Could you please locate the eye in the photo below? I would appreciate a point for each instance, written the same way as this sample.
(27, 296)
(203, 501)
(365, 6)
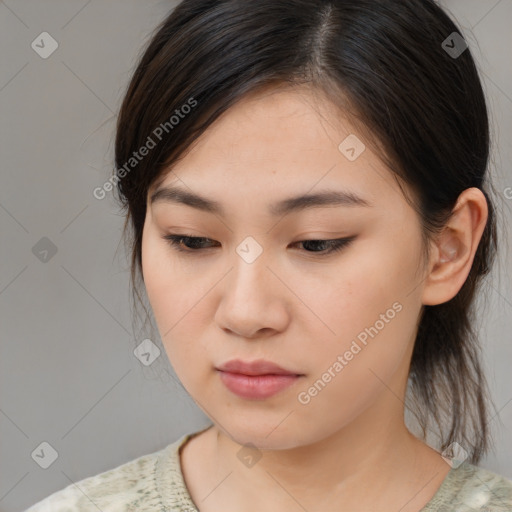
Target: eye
(193, 244)
(332, 245)
(176, 242)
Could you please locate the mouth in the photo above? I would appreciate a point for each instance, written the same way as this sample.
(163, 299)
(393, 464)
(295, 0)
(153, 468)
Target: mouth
(256, 380)
(254, 368)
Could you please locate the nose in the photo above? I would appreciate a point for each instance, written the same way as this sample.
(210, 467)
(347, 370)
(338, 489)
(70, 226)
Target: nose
(253, 302)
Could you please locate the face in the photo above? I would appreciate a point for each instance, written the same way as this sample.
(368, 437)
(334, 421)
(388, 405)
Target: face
(257, 283)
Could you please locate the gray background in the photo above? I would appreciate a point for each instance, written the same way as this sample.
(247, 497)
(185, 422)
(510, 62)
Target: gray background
(68, 373)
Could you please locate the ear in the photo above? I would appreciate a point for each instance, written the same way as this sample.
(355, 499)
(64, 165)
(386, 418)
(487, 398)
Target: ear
(453, 251)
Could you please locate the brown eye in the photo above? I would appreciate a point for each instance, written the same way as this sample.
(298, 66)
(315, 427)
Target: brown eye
(332, 245)
(176, 242)
(191, 244)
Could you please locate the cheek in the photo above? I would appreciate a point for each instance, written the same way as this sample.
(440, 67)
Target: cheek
(366, 310)
(353, 295)
(156, 274)
(175, 298)
(163, 285)
(352, 369)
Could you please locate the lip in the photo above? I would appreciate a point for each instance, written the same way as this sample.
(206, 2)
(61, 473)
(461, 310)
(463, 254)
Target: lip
(256, 380)
(258, 367)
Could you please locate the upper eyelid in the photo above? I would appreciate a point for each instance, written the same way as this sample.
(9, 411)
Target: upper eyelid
(194, 237)
(176, 239)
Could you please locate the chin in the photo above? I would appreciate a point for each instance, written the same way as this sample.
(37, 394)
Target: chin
(264, 436)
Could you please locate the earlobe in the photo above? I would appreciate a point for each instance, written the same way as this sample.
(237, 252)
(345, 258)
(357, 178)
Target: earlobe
(455, 248)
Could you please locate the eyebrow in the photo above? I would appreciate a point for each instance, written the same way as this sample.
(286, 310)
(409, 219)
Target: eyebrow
(294, 204)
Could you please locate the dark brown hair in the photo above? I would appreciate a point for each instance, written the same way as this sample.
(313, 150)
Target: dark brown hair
(385, 65)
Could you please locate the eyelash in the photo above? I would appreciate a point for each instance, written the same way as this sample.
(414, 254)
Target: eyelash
(335, 245)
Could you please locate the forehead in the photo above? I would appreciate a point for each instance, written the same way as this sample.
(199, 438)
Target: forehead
(278, 143)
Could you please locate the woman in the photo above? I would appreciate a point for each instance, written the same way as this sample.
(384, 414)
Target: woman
(306, 188)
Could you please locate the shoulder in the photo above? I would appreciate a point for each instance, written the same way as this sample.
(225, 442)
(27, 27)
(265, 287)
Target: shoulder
(128, 487)
(470, 488)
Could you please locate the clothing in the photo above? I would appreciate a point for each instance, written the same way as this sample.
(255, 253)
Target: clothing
(155, 482)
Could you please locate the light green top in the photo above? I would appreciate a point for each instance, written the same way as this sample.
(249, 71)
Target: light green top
(155, 483)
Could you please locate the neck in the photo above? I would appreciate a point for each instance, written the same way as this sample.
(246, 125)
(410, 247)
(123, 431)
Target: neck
(366, 462)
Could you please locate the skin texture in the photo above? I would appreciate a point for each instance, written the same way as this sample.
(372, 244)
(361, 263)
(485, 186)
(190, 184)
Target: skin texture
(348, 446)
